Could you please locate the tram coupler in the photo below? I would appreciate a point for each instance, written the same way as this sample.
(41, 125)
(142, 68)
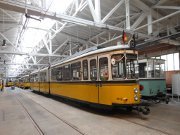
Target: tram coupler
(143, 108)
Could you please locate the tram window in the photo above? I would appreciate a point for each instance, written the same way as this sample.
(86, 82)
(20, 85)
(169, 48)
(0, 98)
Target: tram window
(56, 74)
(53, 74)
(85, 70)
(76, 71)
(66, 72)
(26, 79)
(131, 66)
(142, 70)
(150, 69)
(43, 77)
(21, 80)
(59, 74)
(103, 69)
(93, 69)
(118, 66)
(34, 78)
(31, 79)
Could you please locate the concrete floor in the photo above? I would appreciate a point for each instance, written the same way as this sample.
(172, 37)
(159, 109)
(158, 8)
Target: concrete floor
(23, 112)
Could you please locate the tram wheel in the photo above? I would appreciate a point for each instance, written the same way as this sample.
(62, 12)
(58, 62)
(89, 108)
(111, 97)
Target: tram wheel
(167, 100)
(129, 109)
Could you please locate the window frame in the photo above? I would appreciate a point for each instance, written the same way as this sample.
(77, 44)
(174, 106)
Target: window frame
(106, 76)
(93, 58)
(87, 67)
(76, 66)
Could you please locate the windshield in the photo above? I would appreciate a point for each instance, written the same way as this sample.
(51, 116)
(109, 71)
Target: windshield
(158, 64)
(151, 68)
(124, 66)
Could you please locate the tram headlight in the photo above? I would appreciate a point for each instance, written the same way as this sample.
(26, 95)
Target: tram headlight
(136, 98)
(135, 90)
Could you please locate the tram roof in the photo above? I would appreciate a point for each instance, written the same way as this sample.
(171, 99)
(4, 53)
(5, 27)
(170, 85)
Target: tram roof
(24, 76)
(84, 54)
(97, 51)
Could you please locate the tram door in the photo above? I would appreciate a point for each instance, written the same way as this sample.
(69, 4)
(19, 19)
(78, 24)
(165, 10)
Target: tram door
(105, 87)
(100, 74)
(93, 90)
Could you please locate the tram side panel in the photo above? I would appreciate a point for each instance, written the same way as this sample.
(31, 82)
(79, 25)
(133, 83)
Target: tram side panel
(81, 91)
(44, 87)
(34, 82)
(9, 84)
(153, 86)
(26, 85)
(66, 81)
(26, 82)
(118, 93)
(44, 82)
(35, 86)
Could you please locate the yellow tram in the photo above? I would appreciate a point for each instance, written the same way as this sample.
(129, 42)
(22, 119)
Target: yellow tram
(98, 77)
(18, 82)
(106, 77)
(9, 82)
(34, 81)
(24, 82)
(1, 84)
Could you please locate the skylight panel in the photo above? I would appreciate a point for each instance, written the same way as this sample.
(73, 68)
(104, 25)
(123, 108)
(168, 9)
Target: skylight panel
(35, 30)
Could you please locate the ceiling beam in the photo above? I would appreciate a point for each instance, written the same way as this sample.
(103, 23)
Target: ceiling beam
(31, 54)
(167, 7)
(58, 30)
(158, 20)
(165, 39)
(117, 25)
(10, 16)
(127, 6)
(98, 10)
(149, 10)
(91, 7)
(112, 11)
(8, 40)
(32, 64)
(31, 10)
(59, 47)
(138, 21)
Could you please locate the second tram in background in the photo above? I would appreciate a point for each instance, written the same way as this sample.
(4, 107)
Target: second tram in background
(23, 82)
(1, 84)
(10, 82)
(152, 78)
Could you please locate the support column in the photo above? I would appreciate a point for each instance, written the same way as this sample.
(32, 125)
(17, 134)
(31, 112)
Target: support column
(43, 4)
(127, 15)
(70, 48)
(98, 10)
(76, 4)
(50, 44)
(149, 19)
(179, 59)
